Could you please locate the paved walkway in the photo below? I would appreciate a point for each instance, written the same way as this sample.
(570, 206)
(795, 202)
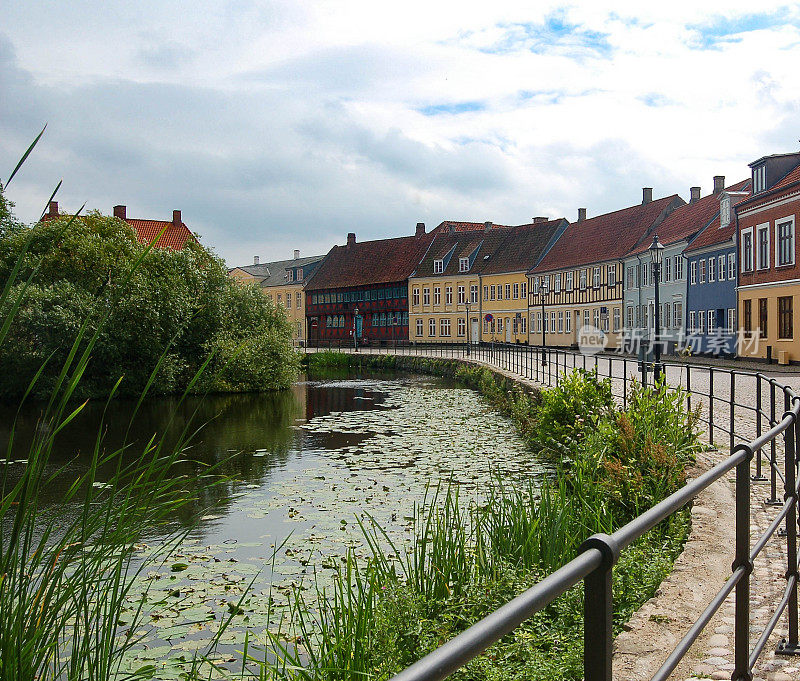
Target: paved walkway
(653, 634)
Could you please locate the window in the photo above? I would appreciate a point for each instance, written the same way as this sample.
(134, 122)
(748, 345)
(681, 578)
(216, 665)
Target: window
(596, 318)
(762, 252)
(693, 272)
(499, 324)
(644, 271)
(677, 315)
(516, 291)
(711, 321)
(437, 295)
(702, 278)
(499, 292)
(629, 317)
(731, 320)
(747, 250)
(382, 320)
(538, 322)
(557, 283)
(438, 266)
(725, 211)
(486, 293)
(784, 249)
(415, 296)
(666, 270)
(692, 327)
(444, 327)
(679, 267)
(701, 321)
(462, 327)
(747, 313)
(617, 316)
(492, 326)
(288, 301)
(666, 315)
(561, 321)
(485, 325)
(463, 264)
(508, 291)
(298, 300)
(523, 290)
(289, 275)
(448, 295)
(721, 268)
(597, 277)
(568, 322)
(569, 281)
(731, 266)
(583, 279)
(631, 277)
(546, 323)
(426, 296)
(523, 324)
(762, 317)
(473, 293)
(553, 321)
(586, 317)
(491, 292)
(759, 179)
(611, 275)
(536, 286)
(432, 327)
(461, 296)
(712, 269)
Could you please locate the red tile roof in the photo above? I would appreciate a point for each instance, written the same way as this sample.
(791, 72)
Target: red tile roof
(449, 225)
(174, 236)
(789, 179)
(713, 233)
(687, 221)
(606, 237)
(370, 262)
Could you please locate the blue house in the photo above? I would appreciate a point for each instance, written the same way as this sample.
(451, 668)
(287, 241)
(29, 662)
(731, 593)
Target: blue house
(711, 323)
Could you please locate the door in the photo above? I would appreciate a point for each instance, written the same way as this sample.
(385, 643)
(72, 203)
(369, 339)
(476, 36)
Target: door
(508, 330)
(359, 325)
(473, 331)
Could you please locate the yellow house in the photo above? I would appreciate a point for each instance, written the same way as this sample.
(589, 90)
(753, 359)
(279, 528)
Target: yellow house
(504, 279)
(578, 286)
(283, 282)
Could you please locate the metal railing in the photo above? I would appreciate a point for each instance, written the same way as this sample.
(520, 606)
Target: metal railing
(773, 438)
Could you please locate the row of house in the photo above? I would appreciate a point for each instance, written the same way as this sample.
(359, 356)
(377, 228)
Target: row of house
(727, 283)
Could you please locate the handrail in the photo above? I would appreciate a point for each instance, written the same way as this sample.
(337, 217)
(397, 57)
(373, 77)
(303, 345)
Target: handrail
(597, 555)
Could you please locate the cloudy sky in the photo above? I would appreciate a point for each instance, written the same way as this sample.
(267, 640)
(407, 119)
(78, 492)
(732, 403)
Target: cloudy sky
(282, 125)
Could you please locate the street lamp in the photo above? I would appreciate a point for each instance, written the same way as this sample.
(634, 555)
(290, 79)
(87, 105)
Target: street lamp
(466, 306)
(542, 294)
(355, 329)
(656, 253)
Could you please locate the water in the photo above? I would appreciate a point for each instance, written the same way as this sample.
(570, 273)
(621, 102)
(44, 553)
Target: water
(302, 468)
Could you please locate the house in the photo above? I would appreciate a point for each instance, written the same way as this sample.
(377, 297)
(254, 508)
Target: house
(363, 287)
(173, 234)
(710, 272)
(579, 283)
(447, 281)
(769, 271)
(283, 281)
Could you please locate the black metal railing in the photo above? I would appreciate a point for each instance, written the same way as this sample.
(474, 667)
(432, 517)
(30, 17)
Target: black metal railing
(764, 399)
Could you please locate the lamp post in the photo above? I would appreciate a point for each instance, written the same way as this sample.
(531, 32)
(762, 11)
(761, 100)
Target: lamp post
(467, 304)
(355, 329)
(656, 253)
(542, 294)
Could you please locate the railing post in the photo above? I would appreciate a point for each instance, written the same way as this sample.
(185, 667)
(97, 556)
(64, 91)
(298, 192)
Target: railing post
(773, 453)
(790, 646)
(711, 405)
(759, 476)
(598, 635)
(741, 652)
(733, 407)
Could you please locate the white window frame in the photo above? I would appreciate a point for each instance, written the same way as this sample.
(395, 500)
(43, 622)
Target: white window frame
(701, 276)
(516, 291)
(692, 321)
(561, 321)
(523, 290)
(426, 295)
(611, 275)
(473, 293)
(444, 327)
(693, 272)
(596, 277)
(677, 314)
(432, 327)
(415, 296)
(731, 320)
(448, 295)
(742, 259)
(701, 321)
(721, 268)
(712, 321)
(667, 269)
(420, 327)
(568, 322)
(569, 281)
(437, 295)
(778, 223)
(731, 266)
(584, 276)
(508, 291)
(438, 266)
(712, 269)
(762, 229)
(725, 211)
(556, 283)
(461, 328)
(463, 264)
(617, 318)
(462, 294)
(759, 178)
(678, 267)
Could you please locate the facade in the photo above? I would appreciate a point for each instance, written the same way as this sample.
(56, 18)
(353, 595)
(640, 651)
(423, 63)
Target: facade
(675, 232)
(283, 281)
(370, 277)
(579, 283)
(710, 269)
(769, 271)
(172, 234)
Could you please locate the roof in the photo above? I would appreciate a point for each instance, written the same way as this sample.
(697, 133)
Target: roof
(789, 179)
(274, 273)
(686, 221)
(713, 233)
(453, 225)
(606, 237)
(370, 262)
(479, 244)
(173, 236)
(524, 246)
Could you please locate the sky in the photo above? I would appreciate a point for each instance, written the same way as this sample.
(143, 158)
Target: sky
(284, 125)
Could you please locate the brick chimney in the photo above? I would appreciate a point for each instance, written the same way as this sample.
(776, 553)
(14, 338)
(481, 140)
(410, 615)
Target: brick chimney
(256, 260)
(581, 214)
(540, 219)
(176, 218)
(719, 184)
(351, 238)
(695, 194)
(120, 212)
(420, 229)
(647, 195)
(296, 254)
(52, 209)
(487, 225)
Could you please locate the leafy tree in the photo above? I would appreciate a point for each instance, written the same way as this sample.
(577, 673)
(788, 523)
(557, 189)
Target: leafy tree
(176, 307)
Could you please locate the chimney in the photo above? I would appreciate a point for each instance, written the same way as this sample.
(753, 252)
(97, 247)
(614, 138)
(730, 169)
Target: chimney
(647, 195)
(52, 209)
(296, 254)
(487, 225)
(420, 229)
(255, 260)
(695, 194)
(539, 219)
(176, 218)
(719, 184)
(120, 212)
(351, 238)
(581, 214)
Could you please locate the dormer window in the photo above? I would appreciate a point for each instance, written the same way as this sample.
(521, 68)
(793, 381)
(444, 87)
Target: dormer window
(463, 264)
(438, 266)
(298, 275)
(725, 211)
(759, 178)
(289, 275)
